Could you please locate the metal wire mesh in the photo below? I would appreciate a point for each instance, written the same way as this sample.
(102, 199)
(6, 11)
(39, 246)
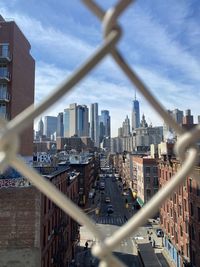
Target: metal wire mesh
(10, 134)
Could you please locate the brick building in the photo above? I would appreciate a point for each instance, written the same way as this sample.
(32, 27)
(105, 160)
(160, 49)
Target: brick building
(17, 72)
(145, 178)
(33, 230)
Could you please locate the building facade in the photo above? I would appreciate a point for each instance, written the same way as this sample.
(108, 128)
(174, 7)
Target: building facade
(17, 72)
(135, 114)
(50, 126)
(94, 124)
(60, 125)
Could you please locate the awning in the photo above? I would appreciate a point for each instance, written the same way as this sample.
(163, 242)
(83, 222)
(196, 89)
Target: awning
(140, 201)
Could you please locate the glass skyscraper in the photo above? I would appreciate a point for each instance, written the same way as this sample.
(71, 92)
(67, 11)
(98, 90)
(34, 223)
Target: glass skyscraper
(135, 114)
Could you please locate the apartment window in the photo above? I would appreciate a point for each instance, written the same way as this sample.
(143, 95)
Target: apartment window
(174, 198)
(175, 216)
(148, 192)
(198, 190)
(180, 210)
(198, 212)
(2, 109)
(147, 169)
(3, 70)
(185, 204)
(3, 90)
(199, 238)
(181, 230)
(5, 50)
(176, 237)
(155, 170)
(148, 180)
(155, 181)
(186, 226)
(171, 213)
(192, 232)
(191, 209)
(166, 176)
(187, 249)
(190, 185)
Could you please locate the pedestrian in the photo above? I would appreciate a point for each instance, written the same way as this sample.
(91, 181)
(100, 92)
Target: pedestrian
(149, 238)
(154, 243)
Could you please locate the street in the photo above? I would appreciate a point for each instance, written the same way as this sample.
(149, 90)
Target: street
(126, 251)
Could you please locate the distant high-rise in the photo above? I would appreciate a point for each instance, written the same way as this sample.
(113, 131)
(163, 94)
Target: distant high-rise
(188, 118)
(82, 121)
(40, 128)
(135, 114)
(126, 127)
(50, 125)
(94, 124)
(168, 132)
(60, 126)
(104, 122)
(73, 119)
(66, 122)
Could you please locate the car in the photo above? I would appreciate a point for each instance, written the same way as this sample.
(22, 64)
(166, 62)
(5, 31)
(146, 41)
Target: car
(110, 209)
(107, 199)
(159, 232)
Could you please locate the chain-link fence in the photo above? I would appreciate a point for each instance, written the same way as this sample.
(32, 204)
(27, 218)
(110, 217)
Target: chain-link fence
(185, 147)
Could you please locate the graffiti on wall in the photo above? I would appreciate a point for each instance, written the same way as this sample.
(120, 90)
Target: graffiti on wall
(20, 182)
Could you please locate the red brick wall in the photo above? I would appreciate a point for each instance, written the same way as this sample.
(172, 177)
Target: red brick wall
(19, 218)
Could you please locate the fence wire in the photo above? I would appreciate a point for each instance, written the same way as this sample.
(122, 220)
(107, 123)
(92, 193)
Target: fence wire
(185, 147)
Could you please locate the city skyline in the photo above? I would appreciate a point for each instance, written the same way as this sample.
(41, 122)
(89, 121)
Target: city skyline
(169, 68)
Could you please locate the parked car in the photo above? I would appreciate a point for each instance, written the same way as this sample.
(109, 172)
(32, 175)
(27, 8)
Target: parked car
(110, 209)
(159, 232)
(107, 199)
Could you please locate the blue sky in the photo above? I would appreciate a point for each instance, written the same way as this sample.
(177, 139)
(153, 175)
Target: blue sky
(161, 41)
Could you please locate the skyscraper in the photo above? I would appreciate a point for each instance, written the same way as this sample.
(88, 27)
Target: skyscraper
(126, 127)
(66, 122)
(73, 119)
(94, 124)
(82, 121)
(135, 114)
(168, 132)
(60, 126)
(104, 122)
(40, 128)
(50, 125)
(17, 73)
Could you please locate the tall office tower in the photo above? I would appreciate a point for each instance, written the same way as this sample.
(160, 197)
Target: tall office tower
(168, 132)
(104, 124)
(60, 126)
(126, 127)
(82, 121)
(94, 124)
(17, 72)
(40, 128)
(188, 118)
(66, 122)
(120, 132)
(73, 119)
(50, 125)
(135, 114)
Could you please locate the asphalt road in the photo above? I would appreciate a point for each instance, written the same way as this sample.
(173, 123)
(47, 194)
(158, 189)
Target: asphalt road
(126, 251)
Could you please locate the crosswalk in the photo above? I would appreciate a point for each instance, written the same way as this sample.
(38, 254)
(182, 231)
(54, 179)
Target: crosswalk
(113, 220)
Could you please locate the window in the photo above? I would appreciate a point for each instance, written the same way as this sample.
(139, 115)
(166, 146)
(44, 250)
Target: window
(5, 50)
(3, 70)
(198, 190)
(180, 210)
(155, 170)
(198, 212)
(155, 181)
(191, 209)
(190, 185)
(181, 230)
(185, 204)
(148, 180)
(147, 169)
(148, 192)
(192, 232)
